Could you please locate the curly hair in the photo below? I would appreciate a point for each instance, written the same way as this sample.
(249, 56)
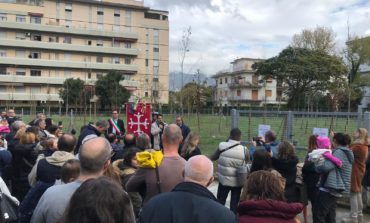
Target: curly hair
(263, 185)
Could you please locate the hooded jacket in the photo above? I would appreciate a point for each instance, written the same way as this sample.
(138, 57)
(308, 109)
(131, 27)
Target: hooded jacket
(271, 211)
(337, 179)
(187, 202)
(48, 169)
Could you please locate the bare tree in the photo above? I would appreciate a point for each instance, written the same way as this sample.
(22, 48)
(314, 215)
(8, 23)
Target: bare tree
(321, 38)
(184, 49)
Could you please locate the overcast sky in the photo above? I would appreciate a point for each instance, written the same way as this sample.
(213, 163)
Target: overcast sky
(223, 30)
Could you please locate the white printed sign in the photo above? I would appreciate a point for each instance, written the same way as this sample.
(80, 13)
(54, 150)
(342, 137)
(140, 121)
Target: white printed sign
(262, 129)
(321, 132)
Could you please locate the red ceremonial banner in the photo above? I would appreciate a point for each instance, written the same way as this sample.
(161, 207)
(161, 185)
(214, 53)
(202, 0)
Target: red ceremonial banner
(138, 118)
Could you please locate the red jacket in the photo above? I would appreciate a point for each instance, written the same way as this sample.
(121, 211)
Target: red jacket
(271, 211)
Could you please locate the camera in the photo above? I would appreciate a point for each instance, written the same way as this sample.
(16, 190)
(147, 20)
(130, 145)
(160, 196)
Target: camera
(258, 141)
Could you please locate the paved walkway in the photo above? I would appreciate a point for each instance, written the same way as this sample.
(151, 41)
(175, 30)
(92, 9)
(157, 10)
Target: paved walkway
(341, 212)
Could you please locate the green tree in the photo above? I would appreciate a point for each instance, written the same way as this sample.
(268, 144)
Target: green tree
(111, 94)
(71, 91)
(303, 71)
(356, 53)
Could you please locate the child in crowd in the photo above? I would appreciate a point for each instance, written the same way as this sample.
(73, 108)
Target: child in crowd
(70, 171)
(323, 152)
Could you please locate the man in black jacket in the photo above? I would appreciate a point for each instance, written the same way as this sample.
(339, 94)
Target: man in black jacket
(189, 201)
(91, 131)
(116, 125)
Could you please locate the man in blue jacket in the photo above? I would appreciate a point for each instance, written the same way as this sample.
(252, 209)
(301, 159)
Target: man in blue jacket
(189, 201)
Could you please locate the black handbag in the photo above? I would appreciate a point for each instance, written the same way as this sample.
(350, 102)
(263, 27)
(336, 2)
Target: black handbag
(8, 209)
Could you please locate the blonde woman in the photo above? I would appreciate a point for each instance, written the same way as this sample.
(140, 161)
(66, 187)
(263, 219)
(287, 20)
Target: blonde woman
(360, 152)
(190, 147)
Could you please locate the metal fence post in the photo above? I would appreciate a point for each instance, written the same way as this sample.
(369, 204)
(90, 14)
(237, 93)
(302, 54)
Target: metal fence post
(289, 129)
(366, 122)
(360, 121)
(234, 118)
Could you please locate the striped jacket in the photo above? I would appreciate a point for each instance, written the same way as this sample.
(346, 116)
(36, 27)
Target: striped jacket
(337, 178)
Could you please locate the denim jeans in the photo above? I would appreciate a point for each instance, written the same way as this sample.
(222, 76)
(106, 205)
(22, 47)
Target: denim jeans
(222, 193)
(325, 208)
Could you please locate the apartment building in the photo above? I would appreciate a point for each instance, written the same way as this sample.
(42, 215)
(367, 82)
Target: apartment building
(241, 87)
(44, 42)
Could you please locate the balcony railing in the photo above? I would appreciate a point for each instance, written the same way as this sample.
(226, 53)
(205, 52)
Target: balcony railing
(29, 97)
(68, 47)
(68, 64)
(244, 84)
(243, 99)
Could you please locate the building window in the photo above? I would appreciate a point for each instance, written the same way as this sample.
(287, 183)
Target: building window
(127, 60)
(164, 17)
(216, 82)
(20, 72)
(2, 88)
(99, 75)
(67, 39)
(35, 55)
(147, 62)
(67, 74)
(128, 20)
(99, 59)
(36, 37)
(20, 53)
(89, 42)
(21, 36)
(19, 89)
(3, 17)
(268, 93)
(2, 70)
(269, 80)
(99, 43)
(35, 19)
(149, 15)
(220, 80)
(99, 26)
(20, 18)
(155, 68)
(36, 89)
(2, 35)
(68, 7)
(155, 93)
(36, 73)
(53, 39)
(238, 93)
(117, 13)
(225, 80)
(2, 53)
(116, 60)
(127, 45)
(115, 43)
(100, 10)
(146, 94)
(156, 36)
(89, 75)
(155, 49)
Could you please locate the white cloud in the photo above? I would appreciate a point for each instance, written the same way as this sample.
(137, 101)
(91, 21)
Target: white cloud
(223, 30)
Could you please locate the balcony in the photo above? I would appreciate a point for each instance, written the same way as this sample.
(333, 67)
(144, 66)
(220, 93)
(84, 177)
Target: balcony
(29, 97)
(67, 64)
(31, 80)
(54, 28)
(68, 47)
(241, 99)
(17, 79)
(244, 84)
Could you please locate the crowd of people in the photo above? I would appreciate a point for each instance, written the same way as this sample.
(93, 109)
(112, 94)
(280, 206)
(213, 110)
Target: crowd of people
(109, 175)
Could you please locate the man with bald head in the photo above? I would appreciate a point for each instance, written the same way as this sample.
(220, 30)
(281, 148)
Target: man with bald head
(94, 160)
(189, 201)
(168, 174)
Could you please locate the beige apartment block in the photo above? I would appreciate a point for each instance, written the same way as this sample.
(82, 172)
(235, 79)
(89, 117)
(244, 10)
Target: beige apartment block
(241, 87)
(44, 42)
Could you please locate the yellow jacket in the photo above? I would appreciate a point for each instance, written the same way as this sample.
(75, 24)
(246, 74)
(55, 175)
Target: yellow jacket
(149, 159)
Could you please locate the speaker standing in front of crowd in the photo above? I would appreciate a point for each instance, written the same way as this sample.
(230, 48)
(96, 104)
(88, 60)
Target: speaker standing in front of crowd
(116, 125)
